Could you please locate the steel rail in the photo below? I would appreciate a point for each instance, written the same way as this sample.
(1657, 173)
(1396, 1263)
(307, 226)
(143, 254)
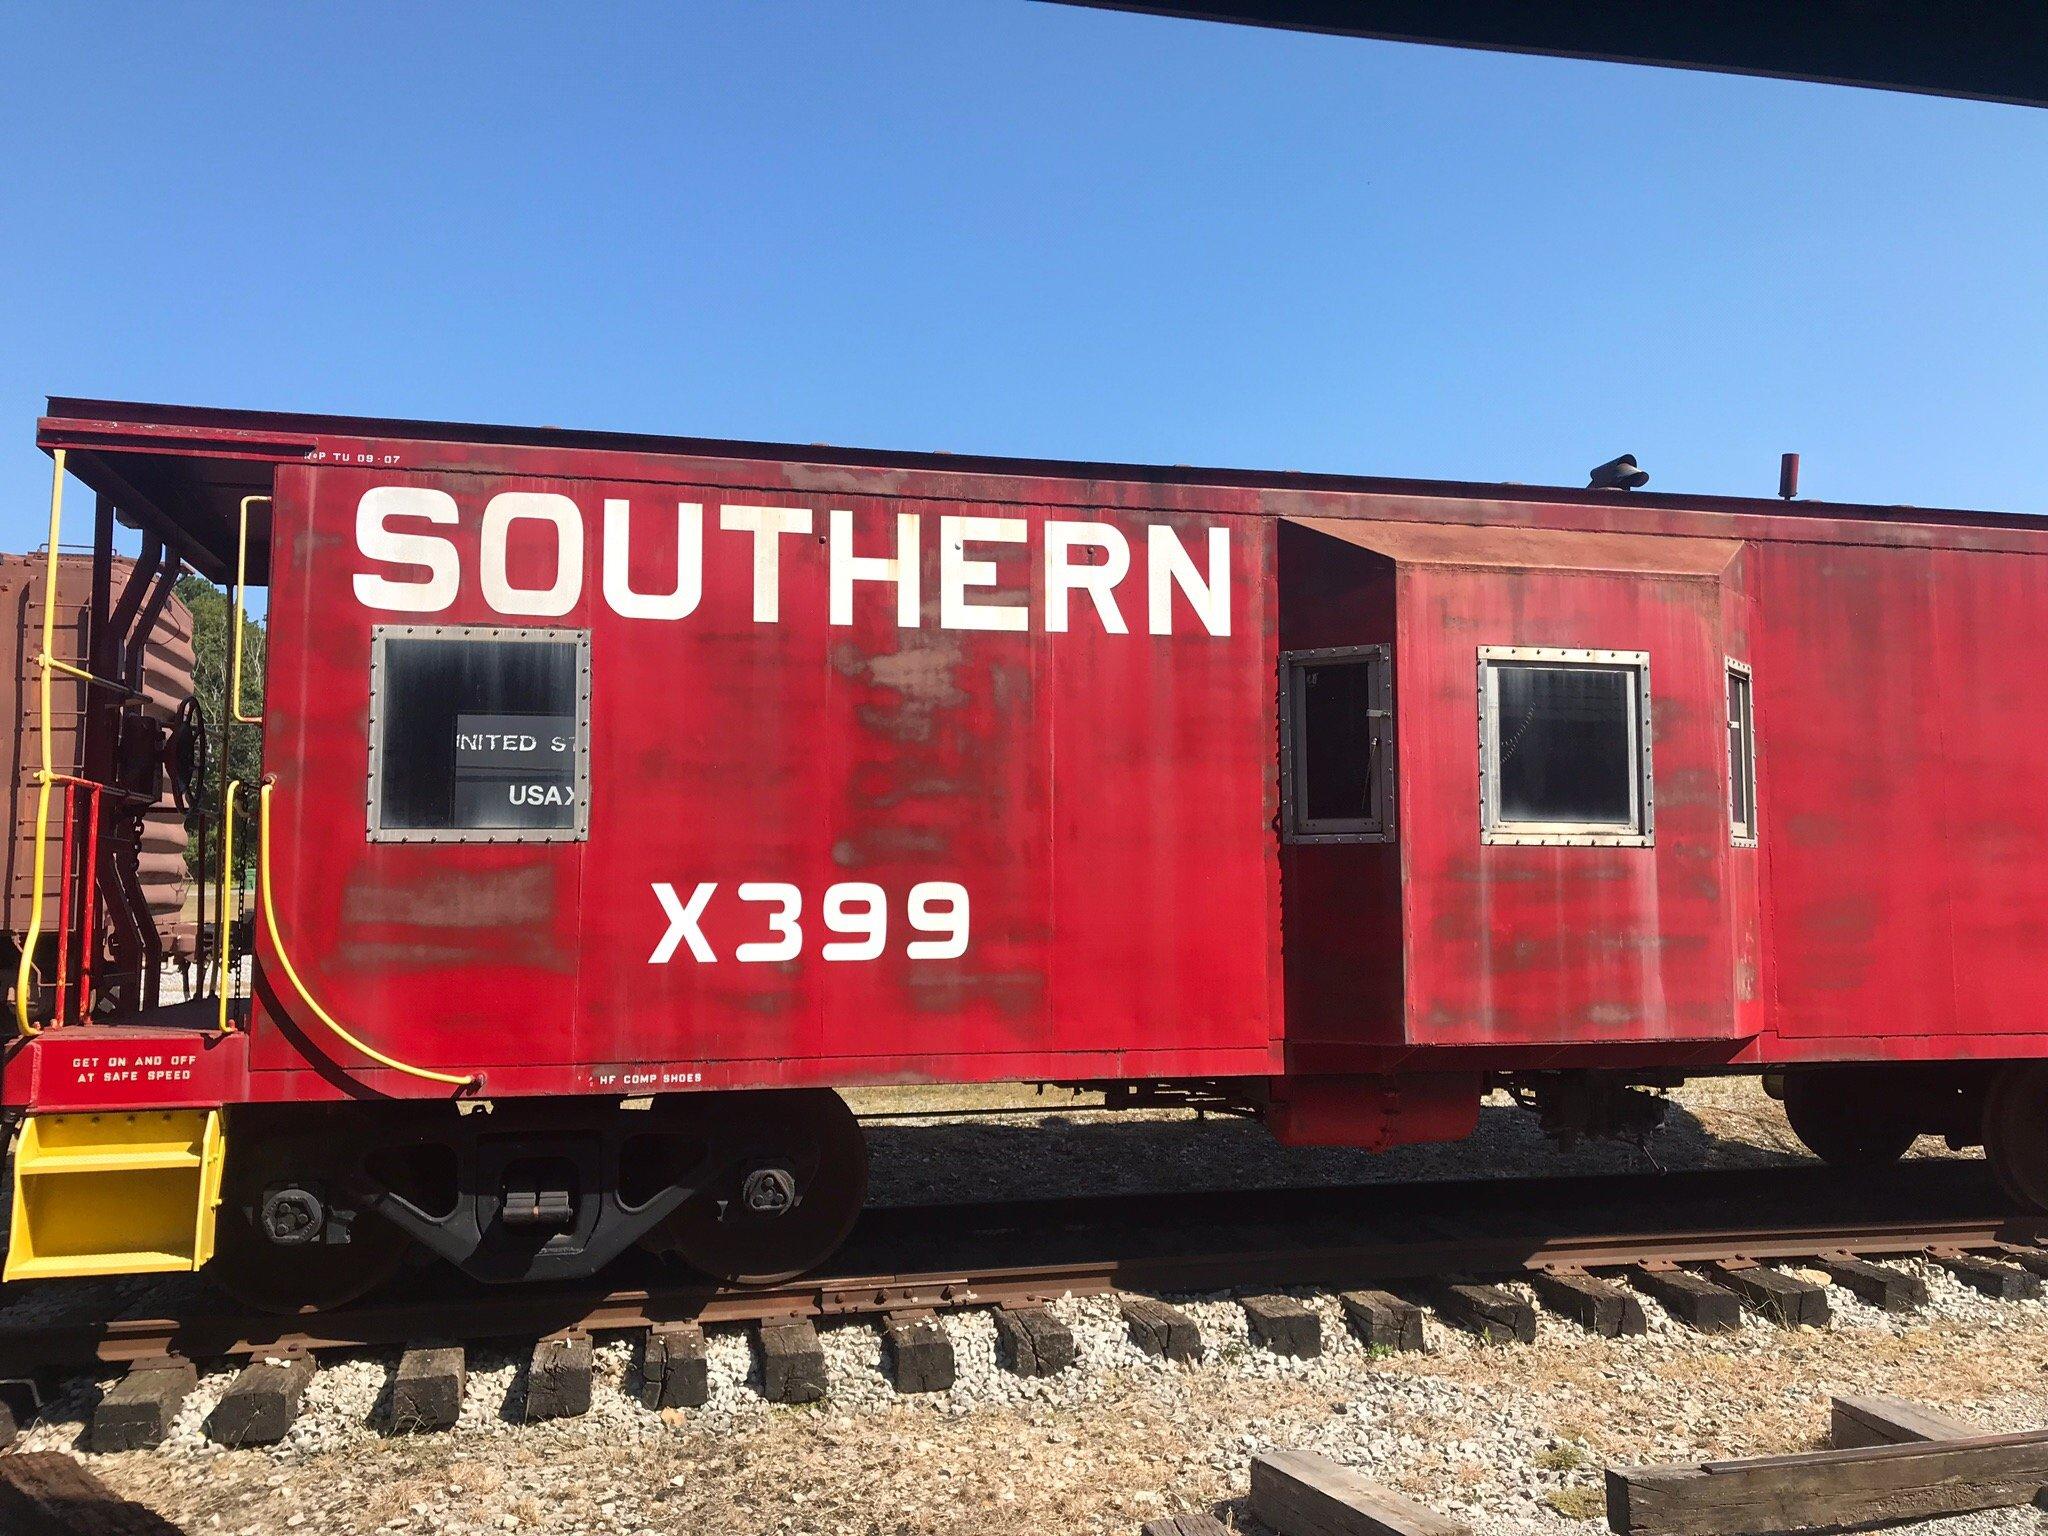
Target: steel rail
(530, 1312)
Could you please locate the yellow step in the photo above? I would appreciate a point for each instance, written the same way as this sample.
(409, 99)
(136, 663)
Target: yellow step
(110, 1161)
(115, 1194)
(140, 1262)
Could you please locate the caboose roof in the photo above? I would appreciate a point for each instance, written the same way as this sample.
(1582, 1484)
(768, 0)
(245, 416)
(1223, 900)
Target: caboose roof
(184, 469)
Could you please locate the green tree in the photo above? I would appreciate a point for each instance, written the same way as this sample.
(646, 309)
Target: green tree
(213, 629)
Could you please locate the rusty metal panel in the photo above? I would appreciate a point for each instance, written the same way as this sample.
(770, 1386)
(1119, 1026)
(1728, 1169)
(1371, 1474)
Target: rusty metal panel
(1520, 945)
(1101, 792)
(1342, 904)
(1852, 780)
(1907, 824)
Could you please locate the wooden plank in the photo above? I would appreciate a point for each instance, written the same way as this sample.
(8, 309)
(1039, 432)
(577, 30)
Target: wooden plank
(1300, 1493)
(45, 1493)
(1865, 1485)
(1185, 1525)
(1854, 1421)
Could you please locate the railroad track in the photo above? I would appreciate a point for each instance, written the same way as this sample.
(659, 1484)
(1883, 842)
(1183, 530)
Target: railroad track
(1704, 1244)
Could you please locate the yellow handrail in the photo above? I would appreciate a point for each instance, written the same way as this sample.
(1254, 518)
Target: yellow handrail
(26, 970)
(227, 879)
(241, 586)
(472, 1080)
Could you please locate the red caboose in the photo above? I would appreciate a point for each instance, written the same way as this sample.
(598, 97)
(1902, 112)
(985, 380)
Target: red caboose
(625, 795)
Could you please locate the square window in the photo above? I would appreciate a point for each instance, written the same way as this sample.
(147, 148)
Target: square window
(1336, 745)
(479, 735)
(1741, 758)
(1565, 747)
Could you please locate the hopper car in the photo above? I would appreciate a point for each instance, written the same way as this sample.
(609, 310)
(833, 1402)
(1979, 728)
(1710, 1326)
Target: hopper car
(623, 797)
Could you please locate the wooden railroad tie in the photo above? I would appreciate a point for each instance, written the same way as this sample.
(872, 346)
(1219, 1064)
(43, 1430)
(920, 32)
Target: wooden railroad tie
(1185, 1525)
(261, 1405)
(1891, 1461)
(1878, 1285)
(2033, 1260)
(1494, 1313)
(558, 1378)
(1162, 1331)
(917, 1351)
(1030, 1341)
(1693, 1299)
(21, 1399)
(136, 1412)
(46, 1493)
(1284, 1325)
(426, 1392)
(1383, 1321)
(1600, 1306)
(1854, 1421)
(1783, 1299)
(2002, 1282)
(792, 1361)
(675, 1367)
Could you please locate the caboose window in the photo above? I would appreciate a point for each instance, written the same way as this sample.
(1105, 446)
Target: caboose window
(479, 735)
(1741, 758)
(1565, 746)
(1336, 745)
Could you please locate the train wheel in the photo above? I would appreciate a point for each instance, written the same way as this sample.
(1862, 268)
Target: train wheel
(785, 1201)
(264, 1182)
(1845, 1121)
(2016, 1132)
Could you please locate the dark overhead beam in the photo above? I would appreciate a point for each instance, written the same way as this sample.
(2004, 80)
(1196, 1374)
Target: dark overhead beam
(1990, 50)
(99, 473)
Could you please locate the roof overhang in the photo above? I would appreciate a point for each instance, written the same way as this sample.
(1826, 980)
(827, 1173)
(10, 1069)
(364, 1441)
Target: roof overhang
(1989, 50)
(1518, 548)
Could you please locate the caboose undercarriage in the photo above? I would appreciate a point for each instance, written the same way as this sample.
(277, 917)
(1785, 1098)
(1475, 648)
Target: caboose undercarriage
(321, 1204)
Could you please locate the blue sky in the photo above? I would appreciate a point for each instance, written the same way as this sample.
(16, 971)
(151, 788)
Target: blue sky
(991, 225)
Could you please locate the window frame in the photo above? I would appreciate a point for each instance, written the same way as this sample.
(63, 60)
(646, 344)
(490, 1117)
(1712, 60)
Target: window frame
(1493, 827)
(380, 636)
(1742, 834)
(1296, 826)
